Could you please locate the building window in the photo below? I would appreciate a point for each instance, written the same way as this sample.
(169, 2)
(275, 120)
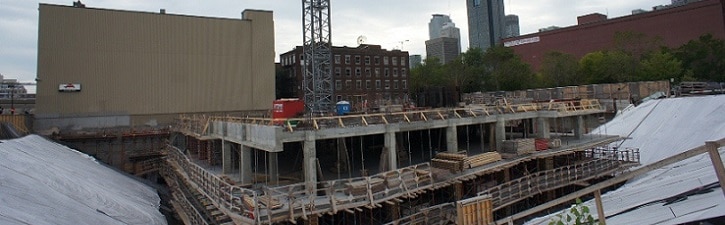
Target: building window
(395, 84)
(348, 84)
(357, 60)
(339, 98)
(358, 84)
(402, 61)
(377, 60)
(476, 2)
(367, 60)
(387, 73)
(385, 60)
(293, 59)
(387, 85)
(395, 60)
(377, 84)
(403, 73)
(357, 72)
(368, 73)
(405, 84)
(377, 72)
(348, 71)
(338, 85)
(347, 59)
(337, 71)
(337, 59)
(367, 84)
(395, 72)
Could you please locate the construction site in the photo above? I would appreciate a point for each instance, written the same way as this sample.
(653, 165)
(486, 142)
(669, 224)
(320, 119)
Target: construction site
(237, 155)
(452, 165)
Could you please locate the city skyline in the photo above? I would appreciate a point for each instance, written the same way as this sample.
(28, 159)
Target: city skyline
(388, 25)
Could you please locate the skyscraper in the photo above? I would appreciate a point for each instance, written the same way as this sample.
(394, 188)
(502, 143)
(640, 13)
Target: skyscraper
(436, 24)
(512, 26)
(485, 23)
(451, 31)
(444, 49)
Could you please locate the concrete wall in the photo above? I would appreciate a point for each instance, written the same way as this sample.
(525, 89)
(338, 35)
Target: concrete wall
(140, 65)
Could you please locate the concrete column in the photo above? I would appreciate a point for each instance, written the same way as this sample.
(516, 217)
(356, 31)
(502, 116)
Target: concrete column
(716, 162)
(273, 168)
(451, 138)
(391, 147)
(310, 162)
(245, 164)
(579, 127)
(483, 149)
(542, 127)
(226, 157)
(500, 132)
(492, 137)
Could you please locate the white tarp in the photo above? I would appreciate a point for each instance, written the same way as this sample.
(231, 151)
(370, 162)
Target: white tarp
(663, 128)
(42, 182)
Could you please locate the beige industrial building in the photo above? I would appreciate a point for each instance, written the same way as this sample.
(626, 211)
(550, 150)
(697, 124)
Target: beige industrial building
(100, 68)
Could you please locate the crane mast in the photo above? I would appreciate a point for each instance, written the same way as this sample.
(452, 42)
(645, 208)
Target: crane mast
(317, 56)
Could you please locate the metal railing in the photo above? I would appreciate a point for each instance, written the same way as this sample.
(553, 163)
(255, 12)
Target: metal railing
(602, 163)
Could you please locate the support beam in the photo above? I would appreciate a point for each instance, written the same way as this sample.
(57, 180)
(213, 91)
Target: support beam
(310, 162)
(245, 164)
(451, 138)
(716, 162)
(273, 168)
(542, 127)
(500, 133)
(226, 157)
(600, 207)
(458, 192)
(390, 145)
(579, 128)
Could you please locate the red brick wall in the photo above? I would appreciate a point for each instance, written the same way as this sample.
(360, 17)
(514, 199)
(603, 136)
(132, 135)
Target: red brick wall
(675, 26)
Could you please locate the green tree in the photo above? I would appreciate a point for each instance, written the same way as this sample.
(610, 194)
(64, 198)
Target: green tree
(429, 74)
(504, 70)
(607, 67)
(703, 58)
(659, 65)
(559, 69)
(577, 214)
(466, 71)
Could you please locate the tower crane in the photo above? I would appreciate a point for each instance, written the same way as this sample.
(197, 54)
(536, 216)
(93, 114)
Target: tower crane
(317, 56)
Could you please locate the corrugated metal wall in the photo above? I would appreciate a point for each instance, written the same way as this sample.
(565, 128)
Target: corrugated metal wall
(137, 63)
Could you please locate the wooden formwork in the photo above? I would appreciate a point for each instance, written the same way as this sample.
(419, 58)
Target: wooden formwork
(475, 211)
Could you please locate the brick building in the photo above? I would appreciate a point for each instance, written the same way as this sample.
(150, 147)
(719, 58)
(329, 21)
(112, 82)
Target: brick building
(675, 26)
(364, 73)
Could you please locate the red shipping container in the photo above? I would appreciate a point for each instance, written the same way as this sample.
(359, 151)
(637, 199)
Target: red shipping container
(541, 144)
(287, 108)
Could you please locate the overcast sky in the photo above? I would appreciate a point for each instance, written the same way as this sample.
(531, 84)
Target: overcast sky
(383, 22)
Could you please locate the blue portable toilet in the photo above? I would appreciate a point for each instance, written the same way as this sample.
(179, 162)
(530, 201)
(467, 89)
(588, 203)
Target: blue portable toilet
(343, 108)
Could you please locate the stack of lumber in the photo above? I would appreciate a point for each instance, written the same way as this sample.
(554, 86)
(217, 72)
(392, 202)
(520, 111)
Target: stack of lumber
(449, 161)
(248, 201)
(481, 159)
(361, 187)
(271, 203)
(519, 146)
